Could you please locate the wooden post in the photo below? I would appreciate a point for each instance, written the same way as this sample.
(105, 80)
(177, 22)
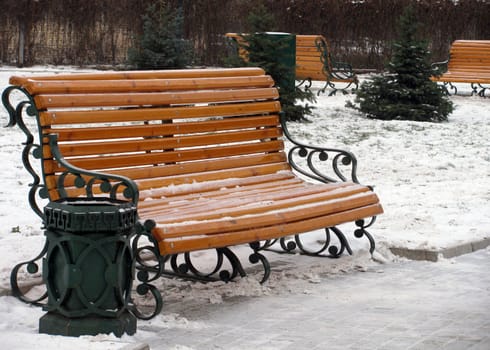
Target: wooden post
(21, 42)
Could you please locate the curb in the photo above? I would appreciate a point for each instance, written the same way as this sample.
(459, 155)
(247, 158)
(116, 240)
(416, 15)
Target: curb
(445, 253)
(139, 346)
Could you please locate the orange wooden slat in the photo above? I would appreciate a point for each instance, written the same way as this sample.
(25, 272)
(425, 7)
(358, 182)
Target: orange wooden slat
(264, 218)
(151, 74)
(145, 114)
(235, 206)
(206, 165)
(207, 181)
(35, 86)
(148, 99)
(134, 160)
(187, 199)
(265, 233)
(158, 143)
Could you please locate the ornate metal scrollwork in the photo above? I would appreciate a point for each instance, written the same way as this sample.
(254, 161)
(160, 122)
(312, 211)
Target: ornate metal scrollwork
(335, 71)
(32, 267)
(226, 268)
(26, 107)
(306, 82)
(361, 232)
(149, 266)
(481, 92)
(343, 166)
(108, 183)
(339, 160)
(327, 247)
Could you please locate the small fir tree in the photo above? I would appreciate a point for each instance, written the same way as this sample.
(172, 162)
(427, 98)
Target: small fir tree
(161, 45)
(406, 91)
(269, 52)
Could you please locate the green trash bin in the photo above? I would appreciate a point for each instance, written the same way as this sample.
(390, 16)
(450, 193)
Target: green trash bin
(285, 48)
(88, 269)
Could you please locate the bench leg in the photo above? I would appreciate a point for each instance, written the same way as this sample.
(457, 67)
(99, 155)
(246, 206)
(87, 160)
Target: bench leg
(224, 257)
(187, 269)
(328, 248)
(478, 89)
(334, 88)
(32, 267)
(307, 84)
(149, 266)
(446, 84)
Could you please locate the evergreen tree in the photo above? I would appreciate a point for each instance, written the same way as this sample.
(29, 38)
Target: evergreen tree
(162, 45)
(406, 91)
(270, 53)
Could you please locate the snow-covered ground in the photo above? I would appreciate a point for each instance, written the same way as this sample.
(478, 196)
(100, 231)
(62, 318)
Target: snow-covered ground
(433, 181)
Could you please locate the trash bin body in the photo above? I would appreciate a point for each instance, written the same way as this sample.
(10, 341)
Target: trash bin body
(285, 48)
(88, 269)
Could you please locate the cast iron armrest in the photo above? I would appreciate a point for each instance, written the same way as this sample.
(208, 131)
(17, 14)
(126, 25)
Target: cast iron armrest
(342, 70)
(439, 67)
(108, 183)
(343, 163)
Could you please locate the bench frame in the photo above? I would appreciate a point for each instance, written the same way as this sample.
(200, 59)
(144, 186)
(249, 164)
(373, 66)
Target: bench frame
(145, 245)
(468, 62)
(333, 71)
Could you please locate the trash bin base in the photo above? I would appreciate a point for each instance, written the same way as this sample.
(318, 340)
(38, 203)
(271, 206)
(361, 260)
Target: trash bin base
(56, 324)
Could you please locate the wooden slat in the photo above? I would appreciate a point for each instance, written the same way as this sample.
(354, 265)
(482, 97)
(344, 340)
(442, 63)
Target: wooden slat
(145, 114)
(211, 179)
(35, 86)
(264, 218)
(184, 169)
(147, 99)
(257, 234)
(243, 205)
(152, 74)
(134, 160)
(216, 180)
(226, 192)
(159, 143)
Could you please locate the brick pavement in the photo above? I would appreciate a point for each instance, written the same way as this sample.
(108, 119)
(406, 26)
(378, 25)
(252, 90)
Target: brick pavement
(406, 305)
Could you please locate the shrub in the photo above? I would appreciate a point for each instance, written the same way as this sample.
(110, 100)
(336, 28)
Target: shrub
(270, 52)
(161, 45)
(405, 92)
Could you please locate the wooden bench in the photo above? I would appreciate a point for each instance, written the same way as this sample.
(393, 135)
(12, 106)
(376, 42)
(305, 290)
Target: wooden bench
(314, 62)
(201, 152)
(469, 62)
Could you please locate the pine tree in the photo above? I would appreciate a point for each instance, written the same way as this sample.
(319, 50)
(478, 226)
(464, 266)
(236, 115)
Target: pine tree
(270, 53)
(406, 91)
(161, 46)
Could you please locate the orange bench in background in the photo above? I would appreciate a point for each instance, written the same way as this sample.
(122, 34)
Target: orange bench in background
(469, 62)
(313, 62)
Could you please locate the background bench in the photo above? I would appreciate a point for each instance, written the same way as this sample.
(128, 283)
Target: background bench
(201, 153)
(313, 62)
(469, 62)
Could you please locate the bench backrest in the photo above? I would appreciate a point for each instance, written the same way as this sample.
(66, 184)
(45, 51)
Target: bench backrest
(470, 55)
(312, 57)
(160, 128)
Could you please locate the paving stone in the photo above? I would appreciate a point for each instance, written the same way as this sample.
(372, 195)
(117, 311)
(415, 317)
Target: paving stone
(410, 305)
